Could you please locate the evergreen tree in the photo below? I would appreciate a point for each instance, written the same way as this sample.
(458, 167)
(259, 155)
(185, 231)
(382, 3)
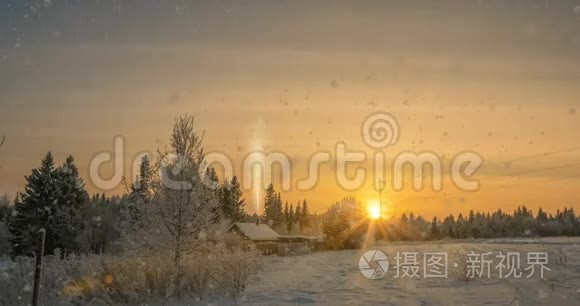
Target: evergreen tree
(270, 204)
(287, 217)
(211, 178)
(434, 233)
(290, 218)
(232, 202)
(214, 191)
(305, 218)
(297, 213)
(71, 197)
(4, 207)
(100, 224)
(278, 210)
(72, 192)
(49, 201)
(404, 218)
(140, 190)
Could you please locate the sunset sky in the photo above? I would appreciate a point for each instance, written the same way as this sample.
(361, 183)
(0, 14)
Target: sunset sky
(501, 78)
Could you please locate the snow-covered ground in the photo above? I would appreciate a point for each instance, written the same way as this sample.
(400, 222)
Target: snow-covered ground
(334, 277)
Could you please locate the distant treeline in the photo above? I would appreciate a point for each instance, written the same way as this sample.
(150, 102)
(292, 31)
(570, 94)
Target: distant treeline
(346, 225)
(520, 223)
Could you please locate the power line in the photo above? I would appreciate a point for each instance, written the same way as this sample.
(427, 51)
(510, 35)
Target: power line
(507, 162)
(544, 169)
(504, 187)
(531, 157)
(524, 172)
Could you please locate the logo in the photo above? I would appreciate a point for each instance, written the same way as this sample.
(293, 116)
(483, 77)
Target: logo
(380, 130)
(373, 264)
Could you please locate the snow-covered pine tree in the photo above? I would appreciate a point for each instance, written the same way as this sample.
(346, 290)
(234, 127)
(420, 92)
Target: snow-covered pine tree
(140, 190)
(72, 188)
(71, 197)
(49, 201)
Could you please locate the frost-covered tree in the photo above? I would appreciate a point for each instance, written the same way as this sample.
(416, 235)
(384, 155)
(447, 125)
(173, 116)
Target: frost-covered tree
(335, 226)
(50, 199)
(181, 210)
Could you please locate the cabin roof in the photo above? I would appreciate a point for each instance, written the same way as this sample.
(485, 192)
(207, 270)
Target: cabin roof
(256, 231)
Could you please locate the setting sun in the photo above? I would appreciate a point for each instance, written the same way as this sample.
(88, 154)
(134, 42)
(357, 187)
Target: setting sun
(374, 210)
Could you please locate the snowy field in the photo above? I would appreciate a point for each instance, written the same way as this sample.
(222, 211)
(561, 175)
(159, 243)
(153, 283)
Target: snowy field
(334, 277)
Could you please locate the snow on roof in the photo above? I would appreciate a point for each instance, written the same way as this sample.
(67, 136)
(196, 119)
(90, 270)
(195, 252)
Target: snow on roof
(256, 232)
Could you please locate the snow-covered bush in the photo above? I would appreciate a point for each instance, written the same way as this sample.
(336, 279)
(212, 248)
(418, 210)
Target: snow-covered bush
(121, 279)
(235, 270)
(212, 270)
(17, 277)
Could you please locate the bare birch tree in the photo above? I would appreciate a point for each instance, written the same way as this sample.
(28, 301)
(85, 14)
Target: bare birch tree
(181, 209)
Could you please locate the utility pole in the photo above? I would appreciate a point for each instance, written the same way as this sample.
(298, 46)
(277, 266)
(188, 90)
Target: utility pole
(381, 186)
(38, 268)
